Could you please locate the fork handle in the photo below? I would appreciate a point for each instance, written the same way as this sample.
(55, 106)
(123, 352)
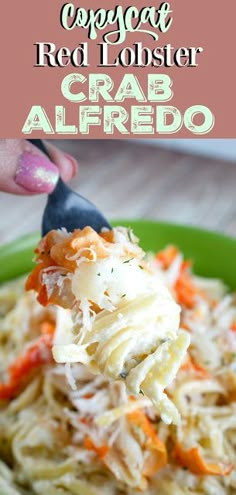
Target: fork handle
(40, 145)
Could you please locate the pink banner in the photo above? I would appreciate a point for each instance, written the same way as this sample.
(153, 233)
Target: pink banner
(117, 71)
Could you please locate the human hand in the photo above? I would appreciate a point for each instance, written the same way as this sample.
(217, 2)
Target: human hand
(25, 170)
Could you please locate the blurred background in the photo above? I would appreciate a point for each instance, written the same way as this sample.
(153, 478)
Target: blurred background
(183, 181)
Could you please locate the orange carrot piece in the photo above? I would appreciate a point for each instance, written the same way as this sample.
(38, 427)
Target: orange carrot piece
(7, 391)
(108, 235)
(233, 326)
(100, 451)
(56, 250)
(184, 326)
(166, 256)
(192, 460)
(184, 288)
(47, 328)
(85, 421)
(158, 458)
(88, 396)
(33, 281)
(37, 354)
(190, 365)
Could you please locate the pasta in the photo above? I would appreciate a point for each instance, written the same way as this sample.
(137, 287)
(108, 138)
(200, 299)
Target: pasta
(125, 322)
(71, 431)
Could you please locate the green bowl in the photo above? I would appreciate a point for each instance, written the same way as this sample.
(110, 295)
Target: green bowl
(213, 254)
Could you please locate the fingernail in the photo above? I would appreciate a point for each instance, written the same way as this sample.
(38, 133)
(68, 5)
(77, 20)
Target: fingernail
(72, 162)
(36, 174)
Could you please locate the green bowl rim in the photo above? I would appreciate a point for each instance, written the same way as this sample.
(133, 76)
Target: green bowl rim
(119, 222)
(193, 228)
(16, 256)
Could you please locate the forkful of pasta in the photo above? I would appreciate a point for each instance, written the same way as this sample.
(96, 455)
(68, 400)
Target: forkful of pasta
(114, 315)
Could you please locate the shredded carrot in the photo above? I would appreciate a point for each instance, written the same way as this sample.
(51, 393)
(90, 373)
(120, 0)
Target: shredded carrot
(185, 291)
(190, 365)
(55, 250)
(88, 396)
(33, 280)
(37, 354)
(84, 421)
(47, 328)
(184, 326)
(100, 451)
(213, 302)
(7, 391)
(167, 256)
(108, 235)
(79, 239)
(158, 457)
(192, 460)
(233, 326)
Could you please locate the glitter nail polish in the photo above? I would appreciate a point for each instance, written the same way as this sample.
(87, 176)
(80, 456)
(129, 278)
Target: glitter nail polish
(36, 174)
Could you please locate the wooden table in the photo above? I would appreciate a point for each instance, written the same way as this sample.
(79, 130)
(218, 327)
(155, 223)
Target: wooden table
(133, 180)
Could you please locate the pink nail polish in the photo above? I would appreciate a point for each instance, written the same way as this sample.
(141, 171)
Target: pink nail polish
(36, 174)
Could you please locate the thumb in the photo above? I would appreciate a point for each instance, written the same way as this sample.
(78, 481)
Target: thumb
(24, 169)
